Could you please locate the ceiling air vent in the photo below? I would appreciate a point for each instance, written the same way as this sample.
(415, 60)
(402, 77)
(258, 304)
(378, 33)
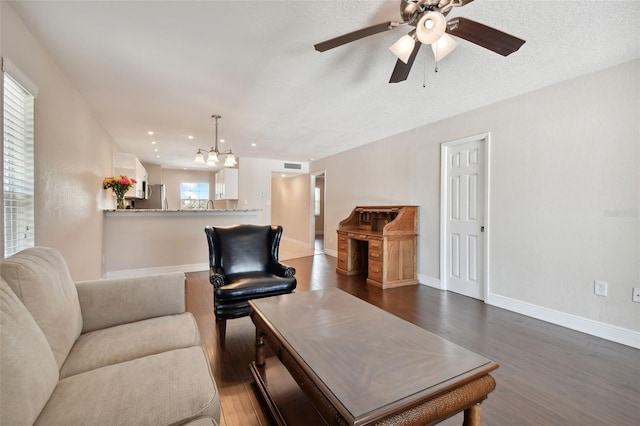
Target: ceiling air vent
(293, 166)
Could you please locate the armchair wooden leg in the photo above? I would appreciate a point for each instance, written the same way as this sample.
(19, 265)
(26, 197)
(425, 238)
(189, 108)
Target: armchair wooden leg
(222, 330)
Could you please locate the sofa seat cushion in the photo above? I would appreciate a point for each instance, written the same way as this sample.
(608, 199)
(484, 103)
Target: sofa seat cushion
(163, 389)
(252, 285)
(130, 341)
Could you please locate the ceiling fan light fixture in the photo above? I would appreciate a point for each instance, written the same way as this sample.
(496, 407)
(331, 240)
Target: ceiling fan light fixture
(443, 46)
(403, 47)
(431, 27)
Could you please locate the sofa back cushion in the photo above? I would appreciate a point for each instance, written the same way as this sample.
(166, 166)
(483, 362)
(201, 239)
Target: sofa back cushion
(27, 367)
(40, 278)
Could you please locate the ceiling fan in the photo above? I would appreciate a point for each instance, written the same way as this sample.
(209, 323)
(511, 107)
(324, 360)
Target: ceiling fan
(428, 16)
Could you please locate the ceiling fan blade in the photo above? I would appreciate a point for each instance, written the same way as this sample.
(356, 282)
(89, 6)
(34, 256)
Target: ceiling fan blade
(484, 36)
(401, 70)
(355, 35)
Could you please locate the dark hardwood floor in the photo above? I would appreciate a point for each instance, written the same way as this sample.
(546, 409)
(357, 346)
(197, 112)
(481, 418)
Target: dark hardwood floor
(548, 375)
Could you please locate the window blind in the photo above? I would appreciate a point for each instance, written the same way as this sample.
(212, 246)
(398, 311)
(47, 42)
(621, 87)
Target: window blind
(18, 167)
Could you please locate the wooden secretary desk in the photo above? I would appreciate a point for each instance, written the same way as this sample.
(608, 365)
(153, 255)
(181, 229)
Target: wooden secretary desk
(381, 241)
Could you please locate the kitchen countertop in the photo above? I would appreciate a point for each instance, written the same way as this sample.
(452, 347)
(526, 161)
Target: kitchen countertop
(198, 212)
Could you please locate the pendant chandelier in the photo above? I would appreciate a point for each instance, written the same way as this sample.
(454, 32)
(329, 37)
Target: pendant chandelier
(212, 157)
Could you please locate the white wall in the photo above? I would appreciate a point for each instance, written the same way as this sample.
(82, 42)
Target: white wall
(254, 184)
(290, 197)
(565, 193)
(73, 153)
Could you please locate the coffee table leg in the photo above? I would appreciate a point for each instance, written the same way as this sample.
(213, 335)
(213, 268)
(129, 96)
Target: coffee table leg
(260, 360)
(472, 415)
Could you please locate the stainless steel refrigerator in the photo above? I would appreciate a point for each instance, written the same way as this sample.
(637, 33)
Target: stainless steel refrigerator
(157, 199)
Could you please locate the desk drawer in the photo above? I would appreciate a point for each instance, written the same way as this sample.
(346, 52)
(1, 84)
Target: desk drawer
(375, 253)
(375, 270)
(342, 260)
(342, 245)
(375, 244)
(342, 238)
(361, 237)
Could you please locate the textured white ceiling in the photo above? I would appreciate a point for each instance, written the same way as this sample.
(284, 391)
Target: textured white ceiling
(167, 66)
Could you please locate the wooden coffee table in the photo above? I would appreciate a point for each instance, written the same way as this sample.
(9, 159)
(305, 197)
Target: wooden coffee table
(360, 365)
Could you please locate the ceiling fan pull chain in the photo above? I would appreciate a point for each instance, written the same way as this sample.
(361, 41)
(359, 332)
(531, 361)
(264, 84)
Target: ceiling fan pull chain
(424, 72)
(435, 58)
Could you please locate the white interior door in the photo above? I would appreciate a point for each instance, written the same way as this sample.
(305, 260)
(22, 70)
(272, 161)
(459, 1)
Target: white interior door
(463, 247)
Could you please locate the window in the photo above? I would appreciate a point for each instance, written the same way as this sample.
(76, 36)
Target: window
(194, 195)
(18, 161)
(316, 202)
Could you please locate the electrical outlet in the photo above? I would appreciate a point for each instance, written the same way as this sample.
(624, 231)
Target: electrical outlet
(600, 288)
(636, 294)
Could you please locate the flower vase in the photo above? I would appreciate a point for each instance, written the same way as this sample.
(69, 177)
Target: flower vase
(120, 201)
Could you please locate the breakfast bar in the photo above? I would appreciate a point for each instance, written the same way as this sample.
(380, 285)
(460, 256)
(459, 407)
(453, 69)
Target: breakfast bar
(143, 241)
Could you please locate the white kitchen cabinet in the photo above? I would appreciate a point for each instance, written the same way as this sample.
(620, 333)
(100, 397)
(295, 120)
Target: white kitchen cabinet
(226, 187)
(129, 165)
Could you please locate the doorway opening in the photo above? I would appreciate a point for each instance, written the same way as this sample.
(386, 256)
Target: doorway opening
(318, 198)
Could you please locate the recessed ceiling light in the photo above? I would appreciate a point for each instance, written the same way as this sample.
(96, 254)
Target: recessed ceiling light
(190, 137)
(221, 140)
(150, 133)
(253, 144)
(157, 156)
(153, 142)
(155, 150)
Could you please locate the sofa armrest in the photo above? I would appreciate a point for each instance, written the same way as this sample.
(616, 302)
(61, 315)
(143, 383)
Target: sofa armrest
(108, 302)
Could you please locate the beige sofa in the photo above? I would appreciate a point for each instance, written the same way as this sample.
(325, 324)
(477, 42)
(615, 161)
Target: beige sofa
(107, 352)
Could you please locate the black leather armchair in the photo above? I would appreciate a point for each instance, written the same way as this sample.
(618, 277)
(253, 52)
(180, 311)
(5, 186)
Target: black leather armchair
(243, 262)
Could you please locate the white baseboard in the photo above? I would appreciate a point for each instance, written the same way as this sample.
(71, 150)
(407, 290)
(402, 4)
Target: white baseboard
(196, 267)
(574, 322)
(332, 253)
(298, 243)
(563, 319)
(429, 281)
